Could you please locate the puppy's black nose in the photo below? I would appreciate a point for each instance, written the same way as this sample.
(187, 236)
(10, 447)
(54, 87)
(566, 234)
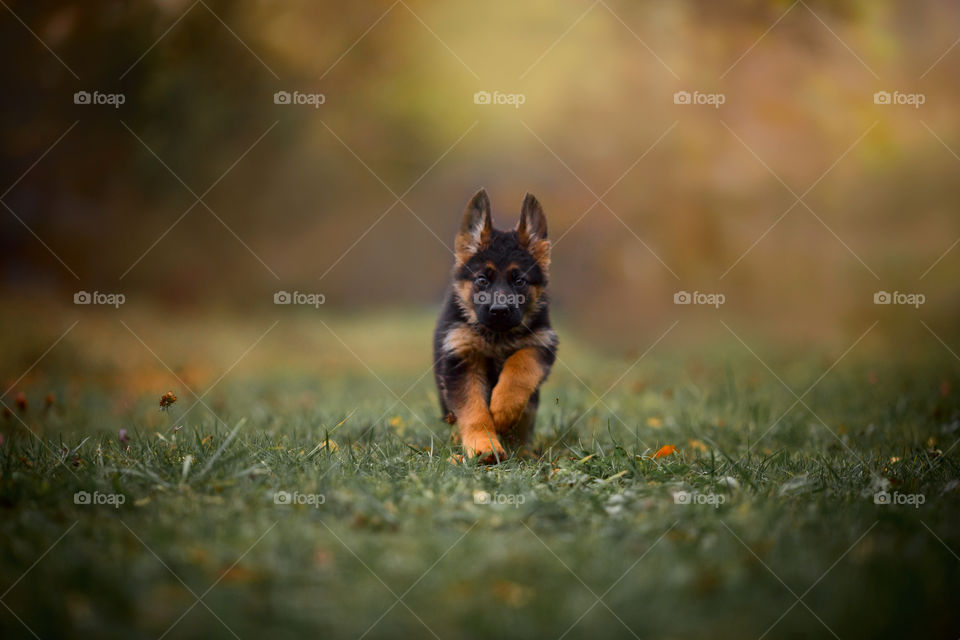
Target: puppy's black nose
(498, 311)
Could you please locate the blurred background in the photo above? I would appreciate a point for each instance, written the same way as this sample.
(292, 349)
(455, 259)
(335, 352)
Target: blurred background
(199, 156)
(358, 194)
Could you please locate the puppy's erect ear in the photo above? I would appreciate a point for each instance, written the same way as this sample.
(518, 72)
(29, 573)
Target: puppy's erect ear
(476, 228)
(532, 230)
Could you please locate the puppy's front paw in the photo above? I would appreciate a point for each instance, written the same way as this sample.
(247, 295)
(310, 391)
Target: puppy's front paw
(482, 443)
(507, 407)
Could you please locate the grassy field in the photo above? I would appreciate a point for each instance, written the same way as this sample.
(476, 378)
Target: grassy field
(298, 497)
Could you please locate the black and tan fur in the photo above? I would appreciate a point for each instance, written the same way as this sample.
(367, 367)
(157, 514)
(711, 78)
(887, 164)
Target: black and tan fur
(493, 345)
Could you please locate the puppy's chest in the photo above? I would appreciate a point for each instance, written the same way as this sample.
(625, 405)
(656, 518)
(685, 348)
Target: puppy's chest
(498, 352)
(465, 342)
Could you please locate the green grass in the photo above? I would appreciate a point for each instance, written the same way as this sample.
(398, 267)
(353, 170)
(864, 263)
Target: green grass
(593, 515)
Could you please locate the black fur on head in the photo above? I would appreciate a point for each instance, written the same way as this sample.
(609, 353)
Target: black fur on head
(500, 277)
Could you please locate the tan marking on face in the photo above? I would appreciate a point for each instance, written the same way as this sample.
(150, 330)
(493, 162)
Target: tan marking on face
(534, 291)
(463, 290)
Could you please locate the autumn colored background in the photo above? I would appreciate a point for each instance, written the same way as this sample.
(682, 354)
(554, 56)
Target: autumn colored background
(797, 401)
(305, 198)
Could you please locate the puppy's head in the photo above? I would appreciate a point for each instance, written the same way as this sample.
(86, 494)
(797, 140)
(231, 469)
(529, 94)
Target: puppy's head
(501, 276)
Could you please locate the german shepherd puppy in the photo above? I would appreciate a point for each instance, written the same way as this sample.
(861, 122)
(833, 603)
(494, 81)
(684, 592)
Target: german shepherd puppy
(493, 345)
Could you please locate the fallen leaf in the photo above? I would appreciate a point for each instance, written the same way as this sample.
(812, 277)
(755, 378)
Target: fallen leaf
(665, 450)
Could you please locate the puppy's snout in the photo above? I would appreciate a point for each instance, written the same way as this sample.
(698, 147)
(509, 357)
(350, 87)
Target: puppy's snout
(499, 311)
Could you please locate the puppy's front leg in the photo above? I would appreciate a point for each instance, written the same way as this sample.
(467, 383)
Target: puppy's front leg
(522, 373)
(467, 398)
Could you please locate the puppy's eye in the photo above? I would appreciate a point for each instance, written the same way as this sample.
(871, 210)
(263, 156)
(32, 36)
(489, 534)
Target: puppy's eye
(520, 282)
(481, 281)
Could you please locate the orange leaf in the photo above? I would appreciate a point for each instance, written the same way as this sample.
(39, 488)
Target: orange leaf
(665, 450)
